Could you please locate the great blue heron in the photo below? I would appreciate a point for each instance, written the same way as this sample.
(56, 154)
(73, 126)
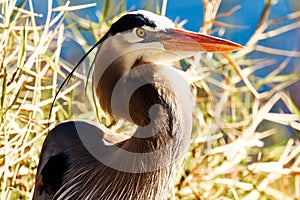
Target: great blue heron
(81, 161)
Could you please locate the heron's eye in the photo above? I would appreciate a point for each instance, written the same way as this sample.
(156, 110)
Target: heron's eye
(140, 32)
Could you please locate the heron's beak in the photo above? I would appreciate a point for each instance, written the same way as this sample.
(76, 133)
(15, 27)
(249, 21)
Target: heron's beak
(182, 40)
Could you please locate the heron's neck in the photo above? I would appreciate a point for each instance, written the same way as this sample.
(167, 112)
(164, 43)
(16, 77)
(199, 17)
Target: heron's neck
(157, 120)
(145, 94)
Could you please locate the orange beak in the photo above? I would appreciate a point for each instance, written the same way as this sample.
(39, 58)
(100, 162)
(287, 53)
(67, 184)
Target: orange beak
(182, 40)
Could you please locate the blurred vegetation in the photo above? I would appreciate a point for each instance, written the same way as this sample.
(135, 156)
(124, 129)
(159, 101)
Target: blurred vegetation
(245, 142)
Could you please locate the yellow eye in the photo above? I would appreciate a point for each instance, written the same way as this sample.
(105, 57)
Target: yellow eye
(140, 32)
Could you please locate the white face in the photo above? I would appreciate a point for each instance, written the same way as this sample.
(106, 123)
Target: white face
(142, 43)
(132, 47)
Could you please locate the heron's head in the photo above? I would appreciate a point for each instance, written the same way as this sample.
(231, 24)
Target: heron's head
(144, 36)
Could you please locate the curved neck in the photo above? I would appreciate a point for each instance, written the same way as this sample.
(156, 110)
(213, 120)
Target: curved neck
(154, 97)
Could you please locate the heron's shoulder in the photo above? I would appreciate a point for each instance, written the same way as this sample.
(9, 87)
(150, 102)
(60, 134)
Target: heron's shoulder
(79, 122)
(71, 128)
(74, 129)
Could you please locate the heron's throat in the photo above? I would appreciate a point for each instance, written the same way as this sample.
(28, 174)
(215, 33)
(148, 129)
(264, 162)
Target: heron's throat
(133, 92)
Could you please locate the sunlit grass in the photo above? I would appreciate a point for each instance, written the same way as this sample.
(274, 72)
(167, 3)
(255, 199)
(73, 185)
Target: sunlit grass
(232, 155)
(30, 71)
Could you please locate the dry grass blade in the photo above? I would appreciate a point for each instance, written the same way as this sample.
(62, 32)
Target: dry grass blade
(73, 8)
(274, 51)
(164, 7)
(241, 74)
